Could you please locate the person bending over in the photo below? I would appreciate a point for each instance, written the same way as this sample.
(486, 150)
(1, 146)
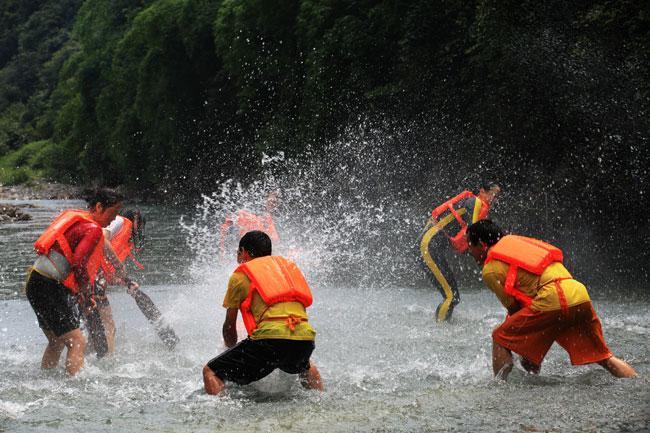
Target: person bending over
(445, 230)
(70, 252)
(545, 303)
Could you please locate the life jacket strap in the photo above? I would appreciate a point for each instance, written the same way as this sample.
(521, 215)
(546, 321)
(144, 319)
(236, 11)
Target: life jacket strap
(290, 321)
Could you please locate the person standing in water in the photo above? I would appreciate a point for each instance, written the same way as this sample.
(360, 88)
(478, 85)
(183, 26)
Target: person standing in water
(272, 295)
(123, 236)
(70, 252)
(243, 221)
(446, 229)
(544, 302)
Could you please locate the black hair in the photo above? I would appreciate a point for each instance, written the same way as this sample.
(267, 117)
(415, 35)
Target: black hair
(256, 243)
(484, 231)
(137, 233)
(488, 184)
(104, 196)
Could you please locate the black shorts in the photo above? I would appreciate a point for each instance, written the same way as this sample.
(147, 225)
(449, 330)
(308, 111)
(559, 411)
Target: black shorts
(55, 307)
(251, 360)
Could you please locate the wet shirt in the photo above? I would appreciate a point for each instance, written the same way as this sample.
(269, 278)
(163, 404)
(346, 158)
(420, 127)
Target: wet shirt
(540, 287)
(469, 208)
(238, 288)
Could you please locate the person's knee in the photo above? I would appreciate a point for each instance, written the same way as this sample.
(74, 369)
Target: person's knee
(74, 340)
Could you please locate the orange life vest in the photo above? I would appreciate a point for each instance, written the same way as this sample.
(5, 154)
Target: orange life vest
(529, 254)
(275, 279)
(247, 221)
(123, 246)
(459, 240)
(55, 233)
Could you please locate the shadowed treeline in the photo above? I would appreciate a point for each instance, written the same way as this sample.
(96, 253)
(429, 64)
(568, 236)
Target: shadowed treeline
(172, 96)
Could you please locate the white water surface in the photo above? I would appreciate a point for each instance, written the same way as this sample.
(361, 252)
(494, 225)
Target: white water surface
(387, 366)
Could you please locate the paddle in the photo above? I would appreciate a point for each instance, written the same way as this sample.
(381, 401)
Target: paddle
(153, 314)
(96, 330)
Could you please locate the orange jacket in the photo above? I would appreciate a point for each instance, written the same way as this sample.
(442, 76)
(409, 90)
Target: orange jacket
(123, 246)
(275, 279)
(459, 240)
(529, 254)
(245, 222)
(55, 233)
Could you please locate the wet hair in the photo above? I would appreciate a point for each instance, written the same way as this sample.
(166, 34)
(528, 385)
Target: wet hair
(256, 243)
(488, 184)
(484, 231)
(104, 196)
(137, 234)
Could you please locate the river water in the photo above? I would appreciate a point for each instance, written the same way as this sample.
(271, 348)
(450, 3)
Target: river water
(387, 366)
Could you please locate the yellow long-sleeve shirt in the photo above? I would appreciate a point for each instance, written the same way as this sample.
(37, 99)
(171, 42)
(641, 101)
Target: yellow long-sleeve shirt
(540, 287)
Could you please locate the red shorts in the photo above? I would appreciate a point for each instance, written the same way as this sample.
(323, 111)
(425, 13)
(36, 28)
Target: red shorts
(531, 334)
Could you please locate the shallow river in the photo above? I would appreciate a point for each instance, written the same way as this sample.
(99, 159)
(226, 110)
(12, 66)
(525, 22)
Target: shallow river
(385, 363)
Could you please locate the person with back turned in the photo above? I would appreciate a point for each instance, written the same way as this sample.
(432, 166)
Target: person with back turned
(446, 229)
(70, 252)
(272, 295)
(545, 303)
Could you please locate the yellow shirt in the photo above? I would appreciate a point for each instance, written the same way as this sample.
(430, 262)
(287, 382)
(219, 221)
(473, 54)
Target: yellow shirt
(238, 288)
(540, 287)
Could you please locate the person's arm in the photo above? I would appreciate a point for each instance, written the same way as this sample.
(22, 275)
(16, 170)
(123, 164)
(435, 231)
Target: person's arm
(229, 330)
(111, 257)
(89, 235)
(493, 281)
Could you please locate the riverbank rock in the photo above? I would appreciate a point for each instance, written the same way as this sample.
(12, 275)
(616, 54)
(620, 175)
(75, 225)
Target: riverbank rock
(11, 213)
(39, 191)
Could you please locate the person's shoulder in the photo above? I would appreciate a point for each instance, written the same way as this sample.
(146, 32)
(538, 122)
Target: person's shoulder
(495, 267)
(238, 279)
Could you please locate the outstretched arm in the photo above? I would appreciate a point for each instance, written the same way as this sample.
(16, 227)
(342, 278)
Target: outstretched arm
(229, 330)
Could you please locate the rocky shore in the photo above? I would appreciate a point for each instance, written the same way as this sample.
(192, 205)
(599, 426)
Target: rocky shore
(38, 191)
(10, 212)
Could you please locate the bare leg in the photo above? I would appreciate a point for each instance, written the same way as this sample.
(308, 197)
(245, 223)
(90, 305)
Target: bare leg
(106, 313)
(76, 344)
(52, 352)
(211, 382)
(311, 379)
(501, 361)
(618, 367)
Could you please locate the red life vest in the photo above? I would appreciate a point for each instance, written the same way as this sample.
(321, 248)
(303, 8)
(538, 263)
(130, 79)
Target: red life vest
(55, 233)
(529, 254)
(459, 240)
(275, 279)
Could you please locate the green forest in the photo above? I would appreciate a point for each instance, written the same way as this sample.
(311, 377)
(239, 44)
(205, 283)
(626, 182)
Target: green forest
(155, 94)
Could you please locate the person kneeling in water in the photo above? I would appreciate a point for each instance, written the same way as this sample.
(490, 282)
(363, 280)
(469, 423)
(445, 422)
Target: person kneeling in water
(272, 295)
(544, 302)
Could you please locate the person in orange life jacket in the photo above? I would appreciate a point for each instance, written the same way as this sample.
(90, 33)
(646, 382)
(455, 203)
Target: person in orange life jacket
(272, 295)
(122, 236)
(70, 252)
(243, 221)
(545, 303)
(446, 228)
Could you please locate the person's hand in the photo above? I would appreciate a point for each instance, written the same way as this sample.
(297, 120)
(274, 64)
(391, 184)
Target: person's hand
(131, 286)
(86, 303)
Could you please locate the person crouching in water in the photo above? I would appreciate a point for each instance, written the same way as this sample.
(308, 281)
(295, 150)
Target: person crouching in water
(544, 302)
(123, 236)
(70, 252)
(272, 295)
